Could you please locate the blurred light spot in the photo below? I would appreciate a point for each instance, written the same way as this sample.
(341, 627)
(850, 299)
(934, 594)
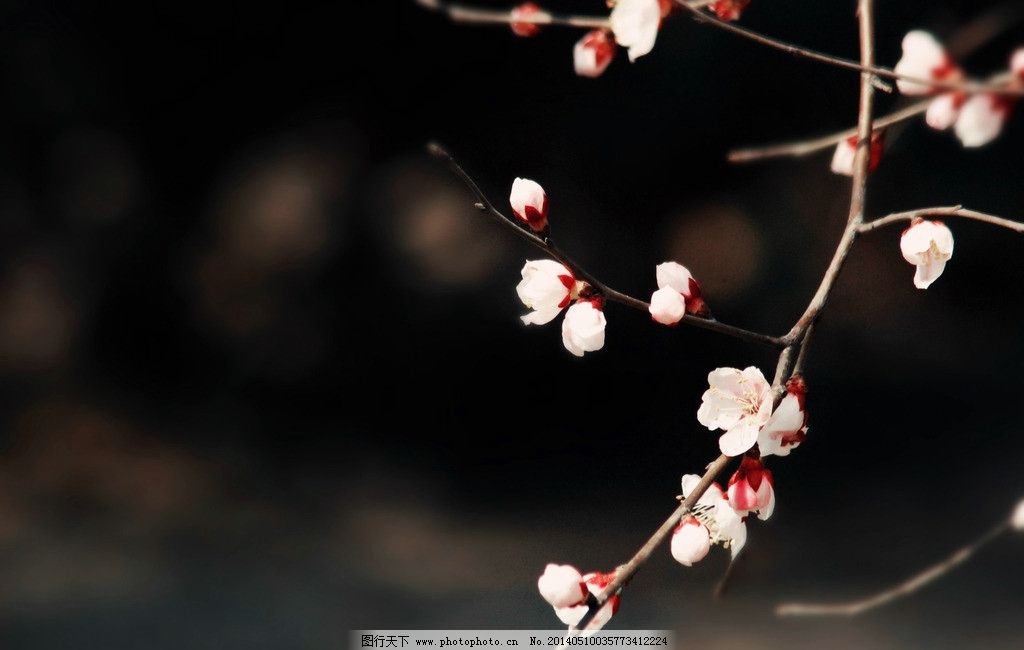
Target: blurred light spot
(37, 321)
(721, 246)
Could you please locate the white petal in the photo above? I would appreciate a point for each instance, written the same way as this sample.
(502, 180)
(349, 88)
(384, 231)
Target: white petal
(667, 306)
(980, 121)
(739, 439)
(540, 317)
(583, 328)
(842, 159)
(676, 276)
(635, 25)
(526, 193)
(690, 543)
(561, 585)
(1017, 62)
(769, 506)
(541, 287)
(928, 272)
(922, 55)
(943, 111)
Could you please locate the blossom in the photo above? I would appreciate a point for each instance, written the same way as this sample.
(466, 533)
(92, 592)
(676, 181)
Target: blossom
(981, 119)
(595, 583)
(635, 24)
(547, 288)
(739, 402)
(562, 585)
(530, 203)
(1017, 518)
(923, 58)
(691, 541)
(593, 53)
(583, 327)
(678, 293)
(846, 151)
(712, 509)
(729, 9)
(787, 427)
(1017, 62)
(751, 489)
(943, 111)
(525, 29)
(928, 245)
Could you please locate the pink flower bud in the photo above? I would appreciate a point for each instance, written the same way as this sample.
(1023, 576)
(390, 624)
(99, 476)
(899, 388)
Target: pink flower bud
(924, 58)
(846, 152)
(593, 53)
(928, 245)
(691, 541)
(729, 9)
(595, 583)
(981, 119)
(562, 585)
(525, 30)
(751, 489)
(530, 204)
(679, 279)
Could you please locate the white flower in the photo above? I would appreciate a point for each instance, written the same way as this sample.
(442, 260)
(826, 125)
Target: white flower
(713, 510)
(562, 585)
(927, 245)
(787, 427)
(691, 541)
(1017, 518)
(923, 58)
(595, 583)
(943, 111)
(593, 53)
(529, 203)
(739, 402)
(635, 25)
(751, 489)
(1017, 62)
(981, 120)
(583, 327)
(547, 288)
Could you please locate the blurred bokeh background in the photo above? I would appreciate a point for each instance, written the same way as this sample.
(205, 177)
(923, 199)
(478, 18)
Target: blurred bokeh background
(262, 378)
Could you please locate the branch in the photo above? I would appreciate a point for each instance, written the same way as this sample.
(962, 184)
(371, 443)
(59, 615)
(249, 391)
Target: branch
(970, 87)
(546, 245)
(951, 211)
(804, 147)
(465, 14)
(929, 575)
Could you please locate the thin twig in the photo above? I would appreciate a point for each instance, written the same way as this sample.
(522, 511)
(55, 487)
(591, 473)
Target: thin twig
(804, 147)
(970, 87)
(805, 345)
(860, 177)
(484, 204)
(950, 211)
(909, 586)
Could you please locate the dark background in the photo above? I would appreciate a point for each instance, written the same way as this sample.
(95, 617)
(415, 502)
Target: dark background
(262, 378)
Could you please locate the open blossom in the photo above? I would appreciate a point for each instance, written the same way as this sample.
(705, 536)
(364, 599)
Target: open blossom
(928, 245)
(583, 327)
(981, 119)
(752, 489)
(724, 524)
(562, 585)
(787, 427)
(678, 293)
(691, 541)
(595, 584)
(1017, 518)
(530, 203)
(635, 24)
(593, 53)
(547, 288)
(923, 58)
(729, 9)
(846, 152)
(739, 402)
(521, 28)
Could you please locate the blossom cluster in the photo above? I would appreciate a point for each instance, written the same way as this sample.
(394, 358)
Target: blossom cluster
(633, 25)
